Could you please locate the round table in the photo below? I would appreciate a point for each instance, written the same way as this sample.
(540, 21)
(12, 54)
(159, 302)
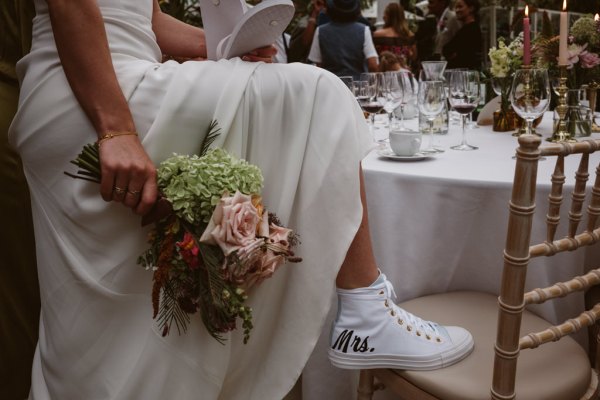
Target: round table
(439, 225)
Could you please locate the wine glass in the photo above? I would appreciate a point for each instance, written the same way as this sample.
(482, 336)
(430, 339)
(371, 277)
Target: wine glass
(376, 99)
(530, 94)
(453, 116)
(348, 81)
(464, 91)
(431, 100)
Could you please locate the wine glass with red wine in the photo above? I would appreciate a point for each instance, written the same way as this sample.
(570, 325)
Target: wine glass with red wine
(464, 94)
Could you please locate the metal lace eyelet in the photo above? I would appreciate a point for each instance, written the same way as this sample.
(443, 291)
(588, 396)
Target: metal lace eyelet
(382, 292)
(418, 333)
(408, 328)
(400, 321)
(428, 337)
(393, 313)
(386, 303)
(438, 340)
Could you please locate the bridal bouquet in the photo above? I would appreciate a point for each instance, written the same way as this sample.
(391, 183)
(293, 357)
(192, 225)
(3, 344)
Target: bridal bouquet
(216, 243)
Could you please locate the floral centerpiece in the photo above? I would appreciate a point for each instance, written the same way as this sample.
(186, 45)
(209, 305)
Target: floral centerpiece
(504, 61)
(583, 68)
(583, 49)
(215, 241)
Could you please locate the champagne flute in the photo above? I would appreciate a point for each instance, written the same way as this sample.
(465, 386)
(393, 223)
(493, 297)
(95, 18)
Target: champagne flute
(530, 94)
(409, 90)
(393, 95)
(464, 91)
(431, 100)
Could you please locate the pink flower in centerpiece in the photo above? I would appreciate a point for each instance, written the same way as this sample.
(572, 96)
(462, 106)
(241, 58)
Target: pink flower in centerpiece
(233, 223)
(189, 250)
(589, 60)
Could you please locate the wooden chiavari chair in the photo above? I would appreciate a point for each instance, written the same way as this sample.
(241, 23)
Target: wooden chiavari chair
(560, 369)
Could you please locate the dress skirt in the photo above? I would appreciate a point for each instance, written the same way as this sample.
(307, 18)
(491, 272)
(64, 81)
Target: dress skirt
(97, 338)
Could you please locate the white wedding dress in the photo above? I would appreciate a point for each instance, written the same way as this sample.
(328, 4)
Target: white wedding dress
(97, 336)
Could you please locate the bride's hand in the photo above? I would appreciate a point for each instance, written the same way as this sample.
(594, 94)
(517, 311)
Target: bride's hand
(264, 54)
(128, 174)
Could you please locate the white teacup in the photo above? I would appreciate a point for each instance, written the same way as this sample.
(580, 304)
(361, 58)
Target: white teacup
(405, 142)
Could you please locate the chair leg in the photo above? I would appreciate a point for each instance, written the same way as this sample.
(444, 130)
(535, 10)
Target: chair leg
(365, 385)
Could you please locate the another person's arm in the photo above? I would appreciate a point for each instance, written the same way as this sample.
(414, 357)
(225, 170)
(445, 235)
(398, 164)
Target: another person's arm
(85, 56)
(370, 52)
(314, 55)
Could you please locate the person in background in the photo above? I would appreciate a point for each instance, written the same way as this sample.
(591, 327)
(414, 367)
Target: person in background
(344, 46)
(302, 36)
(447, 24)
(465, 48)
(19, 292)
(388, 61)
(395, 36)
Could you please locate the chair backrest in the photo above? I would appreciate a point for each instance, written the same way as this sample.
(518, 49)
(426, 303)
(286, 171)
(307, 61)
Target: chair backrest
(519, 250)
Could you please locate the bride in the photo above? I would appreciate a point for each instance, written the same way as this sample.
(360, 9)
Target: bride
(95, 74)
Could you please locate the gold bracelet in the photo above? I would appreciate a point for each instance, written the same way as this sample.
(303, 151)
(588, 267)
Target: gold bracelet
(110, 135)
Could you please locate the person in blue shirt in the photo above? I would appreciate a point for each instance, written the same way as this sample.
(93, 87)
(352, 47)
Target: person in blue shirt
(344, 46)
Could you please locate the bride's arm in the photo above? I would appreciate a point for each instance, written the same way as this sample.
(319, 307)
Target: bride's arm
(180, 40)
(176, 38)
(84, 53)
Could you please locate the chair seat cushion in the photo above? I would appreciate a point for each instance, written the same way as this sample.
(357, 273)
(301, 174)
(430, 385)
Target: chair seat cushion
(554, 371)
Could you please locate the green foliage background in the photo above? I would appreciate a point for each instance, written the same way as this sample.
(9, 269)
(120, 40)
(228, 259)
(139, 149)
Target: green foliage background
(189, 11)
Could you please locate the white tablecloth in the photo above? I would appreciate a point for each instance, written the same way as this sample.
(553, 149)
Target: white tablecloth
(440, 224)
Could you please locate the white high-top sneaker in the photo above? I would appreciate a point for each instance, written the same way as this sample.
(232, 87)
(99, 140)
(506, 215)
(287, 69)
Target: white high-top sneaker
(371, 331)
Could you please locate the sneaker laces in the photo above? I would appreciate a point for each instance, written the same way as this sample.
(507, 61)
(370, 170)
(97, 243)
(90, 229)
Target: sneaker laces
(427, 327)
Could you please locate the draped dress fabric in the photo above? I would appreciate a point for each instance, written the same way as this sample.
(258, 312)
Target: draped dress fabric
(299, 124)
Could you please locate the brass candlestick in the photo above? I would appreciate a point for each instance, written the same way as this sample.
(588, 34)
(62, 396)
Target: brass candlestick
(592, 92)
(561, 133)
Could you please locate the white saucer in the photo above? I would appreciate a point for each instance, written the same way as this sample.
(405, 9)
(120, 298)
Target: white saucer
(388, 153)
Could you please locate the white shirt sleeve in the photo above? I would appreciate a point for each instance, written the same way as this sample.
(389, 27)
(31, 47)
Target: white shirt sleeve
(368, 46)
(315, 50)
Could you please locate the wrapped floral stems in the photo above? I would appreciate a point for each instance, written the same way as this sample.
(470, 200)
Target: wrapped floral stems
(561, 133)
(212, 240)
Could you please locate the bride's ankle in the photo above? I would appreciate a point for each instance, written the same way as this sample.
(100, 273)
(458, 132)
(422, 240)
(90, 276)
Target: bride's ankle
(367, 281)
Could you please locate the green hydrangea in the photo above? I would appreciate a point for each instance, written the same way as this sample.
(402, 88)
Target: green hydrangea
(194, 185)
(585, 30)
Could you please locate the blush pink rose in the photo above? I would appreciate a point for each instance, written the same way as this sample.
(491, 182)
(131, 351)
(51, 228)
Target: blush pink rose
(233, 223)
(589, 60)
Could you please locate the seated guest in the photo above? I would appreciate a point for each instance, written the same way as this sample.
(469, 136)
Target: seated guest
(344, 46)
(395, 36)
(388, 61)
(465, 48)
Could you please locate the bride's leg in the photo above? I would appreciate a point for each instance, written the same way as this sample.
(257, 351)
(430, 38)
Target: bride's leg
(359, 268)
(371, 331)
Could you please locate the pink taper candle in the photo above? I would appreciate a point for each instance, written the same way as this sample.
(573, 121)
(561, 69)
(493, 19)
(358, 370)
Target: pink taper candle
(563, 52)
(526, 39)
